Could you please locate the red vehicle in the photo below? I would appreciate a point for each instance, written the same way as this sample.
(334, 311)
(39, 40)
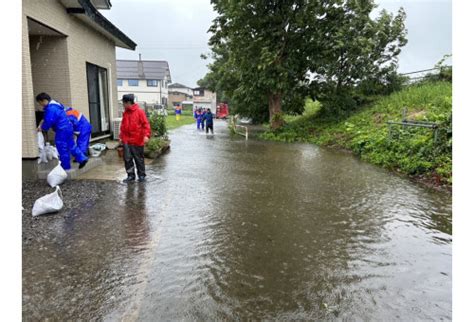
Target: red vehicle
(222, 111)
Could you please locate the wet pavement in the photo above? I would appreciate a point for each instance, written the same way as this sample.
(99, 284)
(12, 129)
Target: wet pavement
(231, 229)
(112, 168)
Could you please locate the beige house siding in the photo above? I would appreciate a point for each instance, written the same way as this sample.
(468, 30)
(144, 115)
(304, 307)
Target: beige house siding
(175, 97)
(209, 100)
(50, 54)
(69, 56)
(28, 123)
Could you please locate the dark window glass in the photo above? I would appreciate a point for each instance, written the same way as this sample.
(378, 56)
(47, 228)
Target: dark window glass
(98, 94)
(152, 83)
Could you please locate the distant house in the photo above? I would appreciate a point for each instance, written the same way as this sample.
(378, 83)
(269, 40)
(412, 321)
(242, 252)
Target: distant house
(204, 98)
(177, 87)
(148, 80)
(177, 98)
(68, 51)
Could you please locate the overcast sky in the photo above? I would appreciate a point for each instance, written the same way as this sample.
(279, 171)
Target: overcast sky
(176, 31)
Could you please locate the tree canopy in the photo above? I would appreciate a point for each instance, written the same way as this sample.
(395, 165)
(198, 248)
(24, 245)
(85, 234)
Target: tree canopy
(269, 55)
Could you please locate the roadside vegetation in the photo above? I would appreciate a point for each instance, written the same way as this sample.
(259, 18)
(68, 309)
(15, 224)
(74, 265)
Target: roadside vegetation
(186, 118)
(409, 150)
(159, 139)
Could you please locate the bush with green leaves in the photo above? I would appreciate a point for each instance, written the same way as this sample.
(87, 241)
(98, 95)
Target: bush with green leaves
(158, 124)
(155, 144)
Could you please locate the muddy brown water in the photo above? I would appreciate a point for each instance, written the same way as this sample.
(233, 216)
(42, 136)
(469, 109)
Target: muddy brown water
(227, 229)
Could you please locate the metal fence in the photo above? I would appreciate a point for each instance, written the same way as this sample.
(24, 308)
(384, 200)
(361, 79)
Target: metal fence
(420, 75)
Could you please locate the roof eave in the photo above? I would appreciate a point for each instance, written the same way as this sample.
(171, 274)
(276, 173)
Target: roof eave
(98, 21)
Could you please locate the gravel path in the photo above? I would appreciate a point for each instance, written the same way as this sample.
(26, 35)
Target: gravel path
(77, 195)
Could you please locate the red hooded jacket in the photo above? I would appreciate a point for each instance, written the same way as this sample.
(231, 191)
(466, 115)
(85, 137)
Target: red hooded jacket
(135, 126)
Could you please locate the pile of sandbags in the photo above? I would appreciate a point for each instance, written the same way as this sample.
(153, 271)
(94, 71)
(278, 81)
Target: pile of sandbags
(52, 202)
(47, 152)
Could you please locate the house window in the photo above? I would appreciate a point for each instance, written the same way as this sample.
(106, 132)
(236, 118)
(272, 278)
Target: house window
(98, 94)
(119, 82)
(198, 92)
(152, 83)
(133, 82)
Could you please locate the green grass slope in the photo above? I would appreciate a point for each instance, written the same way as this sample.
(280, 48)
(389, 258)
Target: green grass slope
(409, 150)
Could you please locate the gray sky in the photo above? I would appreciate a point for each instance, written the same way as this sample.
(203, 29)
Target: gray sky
(176, 31)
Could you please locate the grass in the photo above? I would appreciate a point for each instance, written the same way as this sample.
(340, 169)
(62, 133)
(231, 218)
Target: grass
(186, 118)
(409, 150)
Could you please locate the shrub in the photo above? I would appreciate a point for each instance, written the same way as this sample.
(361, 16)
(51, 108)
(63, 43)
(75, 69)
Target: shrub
(155, 144)
(158, 124)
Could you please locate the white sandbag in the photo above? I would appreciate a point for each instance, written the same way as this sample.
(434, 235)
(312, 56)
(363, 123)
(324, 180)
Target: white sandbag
(52, 202)
(57, 176)
(99, 147)
(43, 158)
(54, 152)
(40, 140)
(96, 150)
(51, 151)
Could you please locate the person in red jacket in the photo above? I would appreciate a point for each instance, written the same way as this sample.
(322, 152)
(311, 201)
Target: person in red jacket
(134, 134)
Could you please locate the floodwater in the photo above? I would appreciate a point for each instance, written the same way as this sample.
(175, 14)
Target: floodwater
(231, 229)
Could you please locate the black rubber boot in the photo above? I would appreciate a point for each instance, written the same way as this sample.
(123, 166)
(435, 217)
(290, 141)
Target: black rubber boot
(129, 179)
(141, 179)
(82, 164)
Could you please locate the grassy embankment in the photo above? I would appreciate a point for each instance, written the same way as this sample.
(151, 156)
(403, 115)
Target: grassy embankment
(409, 150)
(186, 118)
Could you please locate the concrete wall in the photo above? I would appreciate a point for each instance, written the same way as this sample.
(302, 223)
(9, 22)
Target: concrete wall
(82, 44)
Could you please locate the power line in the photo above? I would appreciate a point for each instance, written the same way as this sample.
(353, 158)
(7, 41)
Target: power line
(421, 71)
(173, 48)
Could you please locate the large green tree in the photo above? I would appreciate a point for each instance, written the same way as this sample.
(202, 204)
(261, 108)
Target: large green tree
(268, 55)
(357, 51)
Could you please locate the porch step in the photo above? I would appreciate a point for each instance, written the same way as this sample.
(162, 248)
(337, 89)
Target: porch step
(45, 169)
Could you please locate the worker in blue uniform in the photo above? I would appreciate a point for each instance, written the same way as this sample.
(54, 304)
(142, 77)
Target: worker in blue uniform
(208, 117)
(81, 127)
(55, 117)
(198, 118)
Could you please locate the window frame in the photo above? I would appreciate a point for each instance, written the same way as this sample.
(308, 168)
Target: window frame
(153, 84)
(135, 80)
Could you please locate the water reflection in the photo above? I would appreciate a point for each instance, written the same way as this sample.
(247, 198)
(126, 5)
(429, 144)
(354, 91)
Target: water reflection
(238, 229)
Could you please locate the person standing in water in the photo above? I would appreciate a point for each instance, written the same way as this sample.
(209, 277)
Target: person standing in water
(134, 134)
(198, 116)
(209, 119)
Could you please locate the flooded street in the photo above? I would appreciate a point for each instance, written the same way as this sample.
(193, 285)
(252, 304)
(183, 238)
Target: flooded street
(233, 229)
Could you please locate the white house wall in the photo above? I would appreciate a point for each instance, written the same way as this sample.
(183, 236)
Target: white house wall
(144, 93)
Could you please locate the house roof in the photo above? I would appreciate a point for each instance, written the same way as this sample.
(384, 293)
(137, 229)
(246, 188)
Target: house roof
(86, 11)
(143, 69)
(178, 85)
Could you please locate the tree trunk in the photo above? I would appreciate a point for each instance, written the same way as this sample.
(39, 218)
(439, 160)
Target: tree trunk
(274, 107)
